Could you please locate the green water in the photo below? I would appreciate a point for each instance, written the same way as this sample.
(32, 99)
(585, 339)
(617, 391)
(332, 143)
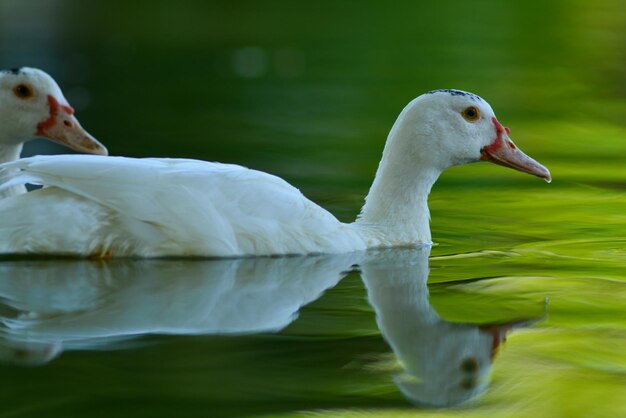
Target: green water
(308, 91)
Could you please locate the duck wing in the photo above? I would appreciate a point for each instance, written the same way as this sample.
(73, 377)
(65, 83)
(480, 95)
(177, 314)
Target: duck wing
(159, 207)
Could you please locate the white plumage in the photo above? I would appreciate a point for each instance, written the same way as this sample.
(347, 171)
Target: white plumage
(114, 206)
(153, 207)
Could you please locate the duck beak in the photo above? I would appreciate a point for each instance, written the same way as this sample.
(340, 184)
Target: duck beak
(63, 127)
(503, 151)
(498, 332)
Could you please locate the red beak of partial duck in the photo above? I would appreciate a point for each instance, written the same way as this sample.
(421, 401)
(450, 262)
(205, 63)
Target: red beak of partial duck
(502, 151)
(63, 127)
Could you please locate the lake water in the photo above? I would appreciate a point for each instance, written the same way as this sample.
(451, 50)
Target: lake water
(309, 92)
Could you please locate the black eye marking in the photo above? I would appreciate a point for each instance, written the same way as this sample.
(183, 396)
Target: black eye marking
(453, 92)
(14, 71)
(23, 91)
(471, 114)
(469, 365)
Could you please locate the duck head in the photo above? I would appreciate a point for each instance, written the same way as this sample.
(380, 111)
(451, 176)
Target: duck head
(456, 127)
(435, 131)
(32, 105)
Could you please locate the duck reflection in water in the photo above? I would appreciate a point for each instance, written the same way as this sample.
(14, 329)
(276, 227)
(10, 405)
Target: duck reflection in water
(442, 363)
(50, 306)
(47, 307)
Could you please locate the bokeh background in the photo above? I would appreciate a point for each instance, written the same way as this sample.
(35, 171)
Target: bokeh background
(309, 91)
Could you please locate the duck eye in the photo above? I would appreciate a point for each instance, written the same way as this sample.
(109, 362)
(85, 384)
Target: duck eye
(469, 365)
(23, 91)
(471, 114)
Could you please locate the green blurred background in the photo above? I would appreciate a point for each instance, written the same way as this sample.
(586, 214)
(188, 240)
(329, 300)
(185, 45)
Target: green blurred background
(286, 84)
(308, 91)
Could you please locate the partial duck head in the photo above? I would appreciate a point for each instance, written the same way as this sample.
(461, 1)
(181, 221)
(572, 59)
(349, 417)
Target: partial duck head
(454, 127)
(32, 105)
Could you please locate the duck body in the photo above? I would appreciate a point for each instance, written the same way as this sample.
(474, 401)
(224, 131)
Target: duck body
(117, 206)
(114, 206)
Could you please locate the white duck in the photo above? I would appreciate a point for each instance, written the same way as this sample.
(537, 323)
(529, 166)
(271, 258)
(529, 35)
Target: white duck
(32, 104)
(171, 207)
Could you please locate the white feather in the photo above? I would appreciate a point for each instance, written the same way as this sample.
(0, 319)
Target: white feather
(153, 207)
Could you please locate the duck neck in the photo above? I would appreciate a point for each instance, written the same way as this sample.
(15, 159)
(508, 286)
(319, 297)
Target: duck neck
(10, 153)
(396, 207)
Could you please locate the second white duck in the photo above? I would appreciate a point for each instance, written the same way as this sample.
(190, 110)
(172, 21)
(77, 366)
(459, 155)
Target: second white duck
(32, 104)
(114, 206)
